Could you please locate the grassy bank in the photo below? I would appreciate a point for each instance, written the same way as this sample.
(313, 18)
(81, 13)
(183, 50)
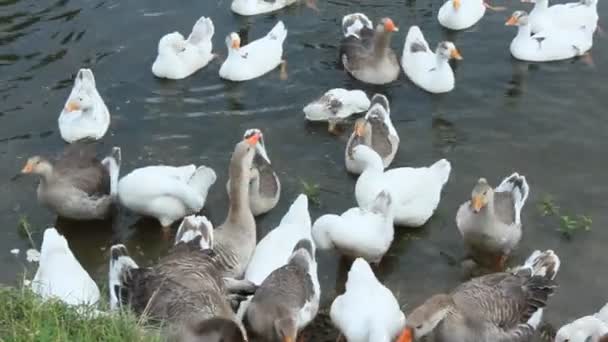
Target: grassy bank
(25, 317)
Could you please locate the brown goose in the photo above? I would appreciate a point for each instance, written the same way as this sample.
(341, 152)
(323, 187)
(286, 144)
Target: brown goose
(366, 53)
(497, 307)
(77, 186)
(211, 330)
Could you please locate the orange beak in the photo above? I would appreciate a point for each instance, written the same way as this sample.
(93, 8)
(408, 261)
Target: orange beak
(236, 43)
(511, 22)
(288, 339)
(389, 26)
(28, 168)
(477, 203)
(252, 140)
(456, 4)
(456, 54)
(359, 128)
(406, 335)
(72, 106)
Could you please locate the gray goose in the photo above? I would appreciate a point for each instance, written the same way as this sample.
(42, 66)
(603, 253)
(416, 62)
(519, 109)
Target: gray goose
(77, 185)
(504, 306)
(211, 330)
(366, 53)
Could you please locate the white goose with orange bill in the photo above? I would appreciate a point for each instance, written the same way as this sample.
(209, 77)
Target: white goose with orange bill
(592, 328)
(570, 15)
(84, 115)
(336, 105)
(461, 14)
(254, 7)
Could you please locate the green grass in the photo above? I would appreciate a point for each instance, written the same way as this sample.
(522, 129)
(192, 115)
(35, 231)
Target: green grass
(312, 191)
(24, 317)
(568, 224)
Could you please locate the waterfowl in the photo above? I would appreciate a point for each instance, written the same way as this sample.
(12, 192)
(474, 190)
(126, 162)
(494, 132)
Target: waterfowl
(256, 58)
(428, 70)
(179, 58)
(210, 330)
(60, 275)
(461, 14)
(494, 307)
(365, 232)
(275, 249)
(549, 45)
(490, 222)
(376, 130)
(336, 105)
(287, 300)
(170, 291)
(415, 192)
(571, 15)
(85, 115)
(167, 193)
(592, 328)
(365, 53)
(265, 187)
(367, 311)
(253, 7)
(77, 186)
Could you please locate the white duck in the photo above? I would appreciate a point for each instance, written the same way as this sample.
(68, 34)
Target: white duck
(60, 275)
(85, 115)
(274, 249)
(429, 70)
(571, 15)
(179, 58)
(550, 45)
(336, 105)
(376, 130)
(367, 311)
(461, 14)
(166, 193)
(256, 58)
(359, 232)
(415, 192)
(593, 328)
(253, 7)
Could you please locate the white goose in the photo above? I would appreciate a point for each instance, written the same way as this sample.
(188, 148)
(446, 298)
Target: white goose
(336, 105)
(461, 14)
(166, 193)
(367, 311)
(60, 275)
(253, 7)
(85, 115)
(256, 58)
(426, 69)
(415, 192)
(550, 45)
(179, 58)
(571, 15)
(593, 328)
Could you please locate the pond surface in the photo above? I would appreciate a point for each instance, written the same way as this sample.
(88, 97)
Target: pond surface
(546, 121)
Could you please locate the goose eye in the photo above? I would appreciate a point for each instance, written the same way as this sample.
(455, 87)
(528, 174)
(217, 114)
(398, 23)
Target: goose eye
(419, 327)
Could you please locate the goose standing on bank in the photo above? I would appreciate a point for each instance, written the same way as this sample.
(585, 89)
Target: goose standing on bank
(367, 311)
(376, 130)
(593, 328)
(254, 7)
(85, 115)
(77, 186)
(490, 223)
(494, 307)
(265, 187)
(287, 300)
(336, 105)
(60, 275)
(461, 14)
(256, 58)
(179, 58)
(429, 70)
(415, 192)
(366, 53)
(571, 15)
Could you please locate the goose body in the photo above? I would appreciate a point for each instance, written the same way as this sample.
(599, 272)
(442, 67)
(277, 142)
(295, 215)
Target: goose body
(375, 130)
(571, 15)
(77, 186)
(460, 14)
(428, 70)
(179, 58)
(415, 192)
(85, 115)
(256, 58)
(592, 328)
(60, 275)
(336, 105)
(367, 311)
(254, 7)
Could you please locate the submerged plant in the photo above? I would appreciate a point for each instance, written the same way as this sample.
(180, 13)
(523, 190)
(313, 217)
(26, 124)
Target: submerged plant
(312, 191)
(547, 206)
(25, 229)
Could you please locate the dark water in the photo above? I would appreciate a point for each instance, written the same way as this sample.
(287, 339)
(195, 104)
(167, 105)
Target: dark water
(546, 121)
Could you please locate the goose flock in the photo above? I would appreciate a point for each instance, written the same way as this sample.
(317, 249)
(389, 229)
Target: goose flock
(227, 284)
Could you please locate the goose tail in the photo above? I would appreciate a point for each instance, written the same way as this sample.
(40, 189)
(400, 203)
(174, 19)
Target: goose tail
(53, 242)
(517, 185)
(278, 32)
(541, 264)
(202, 179)
(202, 32)
(112, 164)
(121, 266)
(298, 213)
(194, 226)
(352, 24)
(442, 169)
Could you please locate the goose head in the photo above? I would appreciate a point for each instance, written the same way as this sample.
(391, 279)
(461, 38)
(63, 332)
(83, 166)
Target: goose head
(386, 25)
(233, 41)
(245, 150)
(81, 102)
(426, 317)
(212, 330)
(518, 18)
(447, 50)
(481, 195)
(39, 166)
(586, 329)
(172, 43)
(260, 147)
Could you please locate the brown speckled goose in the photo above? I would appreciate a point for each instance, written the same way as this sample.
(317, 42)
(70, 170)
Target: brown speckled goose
(504, 307)
(366, 53)
(77, 186)
(490, 223)
(264, 187)
(211, 330)
(375, 130)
